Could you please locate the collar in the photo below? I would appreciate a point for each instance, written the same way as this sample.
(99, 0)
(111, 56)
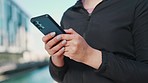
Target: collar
(80, 4)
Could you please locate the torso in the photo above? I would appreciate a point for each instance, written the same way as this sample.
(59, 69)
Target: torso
(109, 27)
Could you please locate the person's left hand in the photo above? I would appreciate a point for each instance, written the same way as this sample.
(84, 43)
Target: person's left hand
(76, 47)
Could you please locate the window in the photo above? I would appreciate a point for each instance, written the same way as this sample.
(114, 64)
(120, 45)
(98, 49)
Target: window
(1, 39)
(1, 36)
(0, 30)
(0, 23)
(8, 6)
(25, 23)
(0, 7)
(0, 15)
(19, 19)
(9, 11)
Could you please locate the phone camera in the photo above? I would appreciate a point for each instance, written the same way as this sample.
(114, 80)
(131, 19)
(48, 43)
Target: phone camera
(37, 23)
(41, 27)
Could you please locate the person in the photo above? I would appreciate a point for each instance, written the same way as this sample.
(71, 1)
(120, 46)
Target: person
(106, 41)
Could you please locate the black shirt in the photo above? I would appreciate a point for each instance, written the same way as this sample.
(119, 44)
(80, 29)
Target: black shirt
(120, 29)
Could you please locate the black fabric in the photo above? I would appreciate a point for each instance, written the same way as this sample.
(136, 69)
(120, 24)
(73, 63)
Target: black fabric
(120, 29)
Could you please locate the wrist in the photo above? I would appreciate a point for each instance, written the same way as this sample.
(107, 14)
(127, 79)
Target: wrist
(58, 61)
(93, 58)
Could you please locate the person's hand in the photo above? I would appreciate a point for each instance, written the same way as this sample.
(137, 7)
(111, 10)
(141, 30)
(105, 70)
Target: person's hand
(55, 47)
(77, 49)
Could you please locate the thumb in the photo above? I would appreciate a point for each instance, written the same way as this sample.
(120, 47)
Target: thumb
(70, 31)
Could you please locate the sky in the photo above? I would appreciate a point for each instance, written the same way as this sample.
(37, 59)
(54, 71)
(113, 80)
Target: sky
(33, 8)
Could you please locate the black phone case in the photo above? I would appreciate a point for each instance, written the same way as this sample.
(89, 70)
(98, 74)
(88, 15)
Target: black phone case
(46, 24)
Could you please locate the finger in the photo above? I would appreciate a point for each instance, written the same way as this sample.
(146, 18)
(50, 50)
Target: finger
(53, 41)
(60, 52)
(68, 43)
(48, 37)
(67, 37)
(67, 49)
(70, 31)
(58, 47)
(67, 31)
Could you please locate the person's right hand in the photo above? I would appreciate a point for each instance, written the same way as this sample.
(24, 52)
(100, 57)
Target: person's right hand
(54, 45)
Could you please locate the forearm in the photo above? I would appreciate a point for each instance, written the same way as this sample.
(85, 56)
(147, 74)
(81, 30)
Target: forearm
(57, 61)
(119, 69)
(93, 58)
(57, 73)
(123, 70)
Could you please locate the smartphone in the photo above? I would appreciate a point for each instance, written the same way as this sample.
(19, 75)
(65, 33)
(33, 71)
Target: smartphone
(46, 24)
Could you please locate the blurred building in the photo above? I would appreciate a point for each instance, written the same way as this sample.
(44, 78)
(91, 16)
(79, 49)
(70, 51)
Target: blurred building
(13, 27)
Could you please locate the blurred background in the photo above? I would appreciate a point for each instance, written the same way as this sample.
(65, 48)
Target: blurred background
(22, 55)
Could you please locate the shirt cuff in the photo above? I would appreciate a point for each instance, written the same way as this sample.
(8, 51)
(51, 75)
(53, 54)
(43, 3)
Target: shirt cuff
(103, 66)
(55, 68)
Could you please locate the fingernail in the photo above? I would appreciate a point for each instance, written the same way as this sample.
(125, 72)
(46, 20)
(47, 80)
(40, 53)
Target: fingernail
(63, 49)
(64, 42)
(59, 37)
(70, 29)
(52, 34)
(43, 38)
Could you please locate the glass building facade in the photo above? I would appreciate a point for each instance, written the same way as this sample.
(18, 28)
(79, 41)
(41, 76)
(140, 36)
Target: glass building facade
(13, 27)
(1, 37)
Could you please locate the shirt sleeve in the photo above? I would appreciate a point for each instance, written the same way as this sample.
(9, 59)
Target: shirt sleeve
(57, 73)
(124, 70)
